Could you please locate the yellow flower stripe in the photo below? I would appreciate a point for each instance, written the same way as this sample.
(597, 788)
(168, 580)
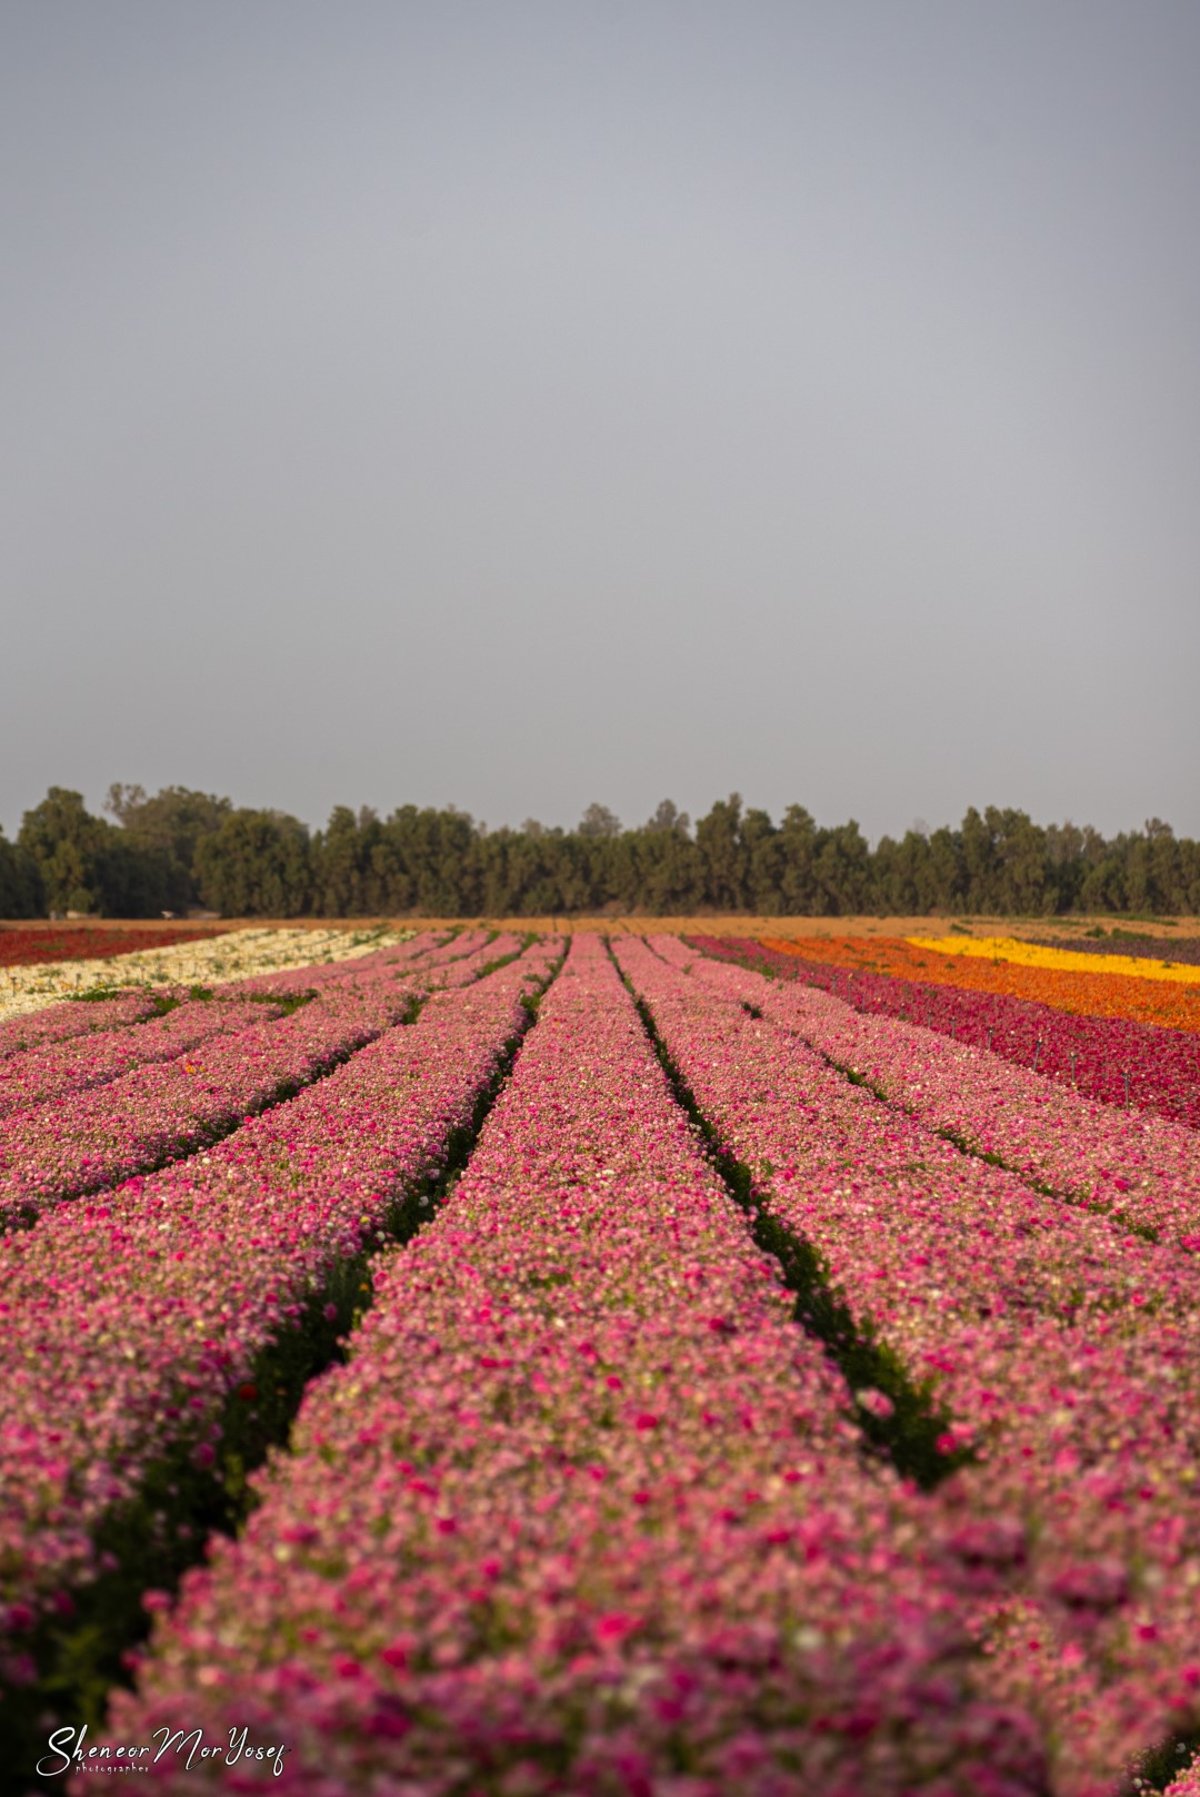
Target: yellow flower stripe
(1066, 960)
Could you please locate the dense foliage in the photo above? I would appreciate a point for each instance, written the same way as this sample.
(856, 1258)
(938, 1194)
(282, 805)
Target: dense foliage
(181, 848)
(21, 890)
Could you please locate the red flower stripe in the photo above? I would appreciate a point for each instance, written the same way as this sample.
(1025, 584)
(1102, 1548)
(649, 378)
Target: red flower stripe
(25, 948)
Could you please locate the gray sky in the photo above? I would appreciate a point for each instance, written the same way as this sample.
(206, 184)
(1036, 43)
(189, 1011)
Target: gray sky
(521, 404)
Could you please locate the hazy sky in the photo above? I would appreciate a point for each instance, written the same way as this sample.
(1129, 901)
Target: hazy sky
(519, 405)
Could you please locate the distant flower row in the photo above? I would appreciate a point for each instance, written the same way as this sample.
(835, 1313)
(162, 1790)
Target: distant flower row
(1132, 945)
(1106, 1058)
(64, 1022)
(1082, 992)
(1066, 960)
(25, 947)
(81, 1063)
(1142, 1169)
(231, 955)
(159, 1112)
(102, 1132)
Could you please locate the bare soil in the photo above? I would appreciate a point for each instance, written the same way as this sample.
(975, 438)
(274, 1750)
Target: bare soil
(1061, 929)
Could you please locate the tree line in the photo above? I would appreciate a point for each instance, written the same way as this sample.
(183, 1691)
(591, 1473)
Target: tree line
(178, 850)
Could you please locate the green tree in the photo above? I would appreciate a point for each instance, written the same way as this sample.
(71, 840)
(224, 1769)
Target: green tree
(842, 869)
(256, 864)
(66, 844)
(1164, 867)
(22, 893)
(798, 849)
(341, 861)
(763, 863)
(87, 865)
(173, 823)
(661, 871)
(668, 820)
(898, 874)
(599, 821)
(947, 875)
(723, 855)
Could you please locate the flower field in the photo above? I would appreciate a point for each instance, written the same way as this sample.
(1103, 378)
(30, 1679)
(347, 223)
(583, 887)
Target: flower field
(493, 1364)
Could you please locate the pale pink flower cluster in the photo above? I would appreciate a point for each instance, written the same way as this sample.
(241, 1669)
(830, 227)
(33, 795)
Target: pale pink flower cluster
(585, 1511)
(129, 1320)
(1066, 1349)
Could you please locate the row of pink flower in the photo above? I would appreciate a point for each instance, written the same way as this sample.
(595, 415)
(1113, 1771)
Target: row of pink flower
(429, 948)
(1143, 1169)
(79, 1064)
(58, 1023)
(584, 1512)
(155, 1114)
(128, 1322)
(1066, 1351)
(1112, 1059)
(457, 967)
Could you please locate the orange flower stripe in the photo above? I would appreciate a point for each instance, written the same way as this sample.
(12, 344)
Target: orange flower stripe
(1170, 1005)
(1065, 960)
